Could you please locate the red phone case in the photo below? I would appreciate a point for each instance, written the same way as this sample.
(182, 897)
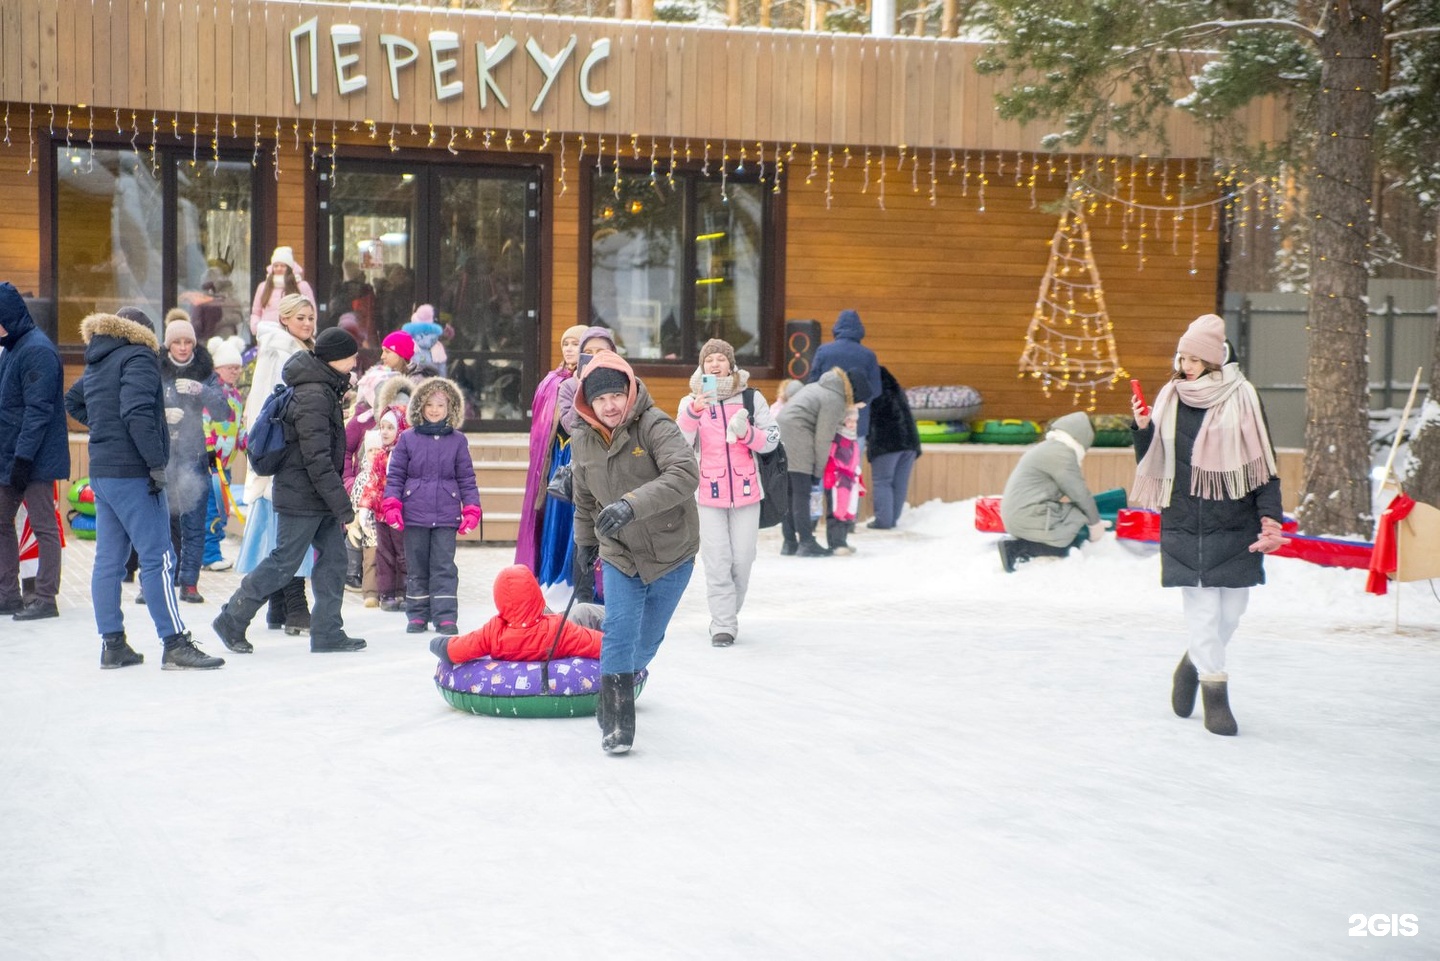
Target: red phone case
(1140, 396)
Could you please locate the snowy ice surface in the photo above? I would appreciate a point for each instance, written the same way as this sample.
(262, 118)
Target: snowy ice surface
(908, 755)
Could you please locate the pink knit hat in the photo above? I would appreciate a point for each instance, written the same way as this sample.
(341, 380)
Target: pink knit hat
(401, 343)
(1205, 339)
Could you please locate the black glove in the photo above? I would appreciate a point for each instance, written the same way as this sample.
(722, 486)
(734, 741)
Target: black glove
(20, 474)
(614, 517)
(583, 573)
(440, 647)
(157, 480)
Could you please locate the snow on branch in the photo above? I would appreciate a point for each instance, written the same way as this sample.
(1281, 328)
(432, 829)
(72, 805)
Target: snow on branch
(1196, 31)
(1417, 32)
(1391, 6)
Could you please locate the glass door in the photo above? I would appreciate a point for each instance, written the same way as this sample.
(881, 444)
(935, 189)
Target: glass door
(462, 238)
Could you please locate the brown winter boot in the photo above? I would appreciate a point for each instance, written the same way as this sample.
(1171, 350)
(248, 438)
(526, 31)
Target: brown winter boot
(1216, 697)
(1182, 690)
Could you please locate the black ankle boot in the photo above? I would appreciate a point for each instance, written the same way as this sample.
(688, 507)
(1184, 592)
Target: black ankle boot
(117, 653)
(1216, 697)
(620, 713)
(1183, 688)
(181, 654)
(810, 547)
(275, 611)
(231, 633)
(297, 609)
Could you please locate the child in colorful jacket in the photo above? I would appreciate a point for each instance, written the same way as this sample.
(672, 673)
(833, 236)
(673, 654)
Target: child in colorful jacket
(368, 495)
(431, 495)
(223, 438)
(842, 480)
(523, 629)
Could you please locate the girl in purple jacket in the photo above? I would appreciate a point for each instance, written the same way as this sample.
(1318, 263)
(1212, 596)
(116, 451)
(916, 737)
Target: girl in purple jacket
(431, 495)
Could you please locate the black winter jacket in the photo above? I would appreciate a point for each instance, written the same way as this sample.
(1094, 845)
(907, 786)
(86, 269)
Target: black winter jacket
(309, 480)
(892, 424)
(32, 396)
(120, 398)
(1206, 543)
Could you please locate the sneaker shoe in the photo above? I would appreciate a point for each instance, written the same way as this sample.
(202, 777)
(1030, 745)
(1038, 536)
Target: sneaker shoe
(415, 626)
(372, 602)
(114, 652)
(812, 548)
(335, 645)
(353, 585)
(38, 609)
(220, 565)
(181, 654)
(190, 594)
(231, 634)
(12, 607)
(722, 640)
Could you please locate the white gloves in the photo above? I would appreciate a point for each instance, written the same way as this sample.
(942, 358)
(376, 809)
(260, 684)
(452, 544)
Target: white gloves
(174, 415)
(738, 427)
(1097, 530)
(184, 385)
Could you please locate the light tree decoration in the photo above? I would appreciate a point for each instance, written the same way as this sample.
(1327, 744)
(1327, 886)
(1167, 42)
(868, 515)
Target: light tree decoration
(1070, 344)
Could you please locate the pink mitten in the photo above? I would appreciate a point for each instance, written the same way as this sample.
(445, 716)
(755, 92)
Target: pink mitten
(391, 513)
(471, 518)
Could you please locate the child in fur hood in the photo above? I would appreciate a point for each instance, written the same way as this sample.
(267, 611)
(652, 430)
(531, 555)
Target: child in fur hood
(431, 495)
(842, 480)
(385, 543)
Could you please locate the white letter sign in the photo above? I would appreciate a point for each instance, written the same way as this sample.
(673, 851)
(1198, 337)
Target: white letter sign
(312, 27)
(390, 42)
(549, 67)
(343, 35)
(599, 50)
(486, 59)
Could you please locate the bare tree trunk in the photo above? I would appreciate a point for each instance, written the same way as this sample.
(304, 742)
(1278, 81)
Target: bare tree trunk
(622, 9)
(1422, 480)
(1337, 431)
(732, 13)
(947, 18)
(765, 12)
(642, 9)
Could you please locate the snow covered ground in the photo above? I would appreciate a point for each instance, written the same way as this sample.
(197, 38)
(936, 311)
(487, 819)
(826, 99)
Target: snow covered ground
(908, 755)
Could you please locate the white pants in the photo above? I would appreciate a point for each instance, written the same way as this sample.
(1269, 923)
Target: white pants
(727, 549)
(1211, 616)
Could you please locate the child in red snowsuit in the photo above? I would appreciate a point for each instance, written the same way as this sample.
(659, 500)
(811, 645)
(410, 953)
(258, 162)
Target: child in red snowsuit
(522, 629)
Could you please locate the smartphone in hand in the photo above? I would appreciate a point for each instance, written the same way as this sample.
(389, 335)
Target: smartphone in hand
(709, 387)
(1139, 396)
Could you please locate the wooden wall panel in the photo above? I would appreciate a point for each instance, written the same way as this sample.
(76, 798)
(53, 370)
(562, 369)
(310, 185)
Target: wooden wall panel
(20, 225)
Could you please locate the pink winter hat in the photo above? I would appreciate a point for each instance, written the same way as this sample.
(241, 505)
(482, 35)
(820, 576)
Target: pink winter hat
(401, 343)
(1205, 339)
(424, 314)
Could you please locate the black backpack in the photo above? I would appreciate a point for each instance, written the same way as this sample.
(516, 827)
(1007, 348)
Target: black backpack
(774, 471)
(265, 445)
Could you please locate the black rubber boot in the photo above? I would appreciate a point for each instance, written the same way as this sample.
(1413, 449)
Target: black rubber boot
(620, 715)
(117, 653)
(810, 547)
(231, 633)
(1012, 552)
(602, 704)
(275, 611)
(181, 654)
(1218, 719)
(354, 567)
(1182, 691)
(297, 608)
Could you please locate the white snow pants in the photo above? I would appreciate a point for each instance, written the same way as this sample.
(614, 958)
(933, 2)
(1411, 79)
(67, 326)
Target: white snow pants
(1211, 616)
(727, 549)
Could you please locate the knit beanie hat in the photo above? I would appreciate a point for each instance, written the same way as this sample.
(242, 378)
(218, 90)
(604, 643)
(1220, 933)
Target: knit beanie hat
(424, 314)
(225, 355)
(177, 329)
(717, 346)
(604, 380)
(1205, 339)
(578, 331)
(604, 333)
(284, 255)
(401, 343)
(176, 313)
(335, 344)
(137, 315)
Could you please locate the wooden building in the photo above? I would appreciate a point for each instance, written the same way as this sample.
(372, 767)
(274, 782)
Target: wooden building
(524, 174)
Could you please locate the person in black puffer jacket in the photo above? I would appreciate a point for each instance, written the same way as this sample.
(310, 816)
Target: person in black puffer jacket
(311, 505)
(893, 445)
(1206, 463)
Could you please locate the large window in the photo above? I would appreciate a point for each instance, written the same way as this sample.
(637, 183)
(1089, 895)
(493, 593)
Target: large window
(177, 231)
(675, 261)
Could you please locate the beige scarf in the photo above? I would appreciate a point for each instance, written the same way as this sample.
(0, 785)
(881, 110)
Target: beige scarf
(1232, 454)
(725, 387)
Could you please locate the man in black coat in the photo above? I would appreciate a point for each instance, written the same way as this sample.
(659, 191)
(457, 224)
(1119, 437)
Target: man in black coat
(311, 505)
(121, 400)
(34, 453)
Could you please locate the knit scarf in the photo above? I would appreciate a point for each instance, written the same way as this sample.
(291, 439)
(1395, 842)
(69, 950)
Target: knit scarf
(725, 387)
(1232, 454)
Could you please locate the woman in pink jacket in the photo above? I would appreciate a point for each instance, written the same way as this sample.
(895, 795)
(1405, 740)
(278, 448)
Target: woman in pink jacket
(718, 425)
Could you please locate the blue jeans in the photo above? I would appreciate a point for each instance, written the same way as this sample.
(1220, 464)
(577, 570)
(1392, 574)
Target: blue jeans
(890, 475)
(190, 525)
(216, 516)
(636, 615)
(127, 513)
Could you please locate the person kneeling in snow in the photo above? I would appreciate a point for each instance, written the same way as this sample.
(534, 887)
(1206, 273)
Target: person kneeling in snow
(1046, 506)
(523, 629)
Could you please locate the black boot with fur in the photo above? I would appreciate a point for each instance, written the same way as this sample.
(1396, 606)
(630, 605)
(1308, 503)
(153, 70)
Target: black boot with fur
(1216, 697)
(1182, 690)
